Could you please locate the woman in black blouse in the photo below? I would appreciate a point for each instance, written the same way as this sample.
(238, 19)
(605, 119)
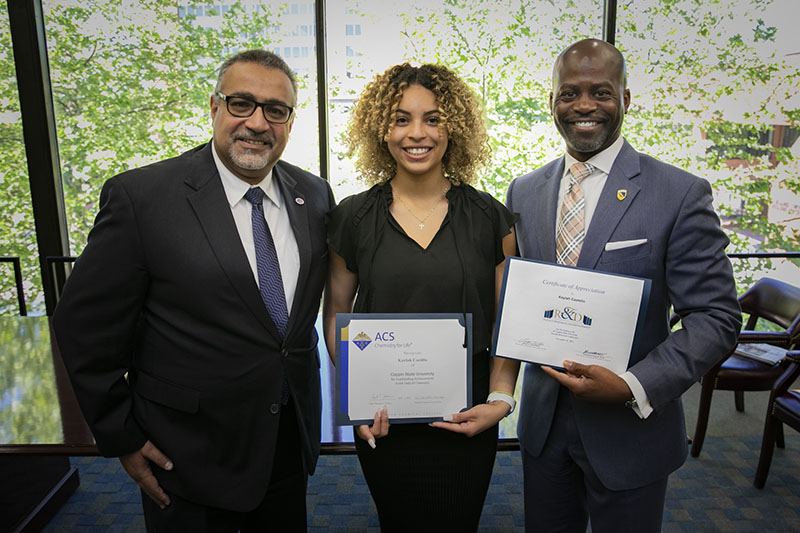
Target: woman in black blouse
(422, 240)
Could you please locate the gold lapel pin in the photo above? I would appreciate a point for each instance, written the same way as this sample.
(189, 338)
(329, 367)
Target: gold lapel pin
(622, 194)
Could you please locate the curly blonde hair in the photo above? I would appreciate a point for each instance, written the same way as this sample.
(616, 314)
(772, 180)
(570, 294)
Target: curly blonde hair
(373, 116)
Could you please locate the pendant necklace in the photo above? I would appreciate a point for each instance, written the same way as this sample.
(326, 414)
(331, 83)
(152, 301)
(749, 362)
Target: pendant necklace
(423, 219)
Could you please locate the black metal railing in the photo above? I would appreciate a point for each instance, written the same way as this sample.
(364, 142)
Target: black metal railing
(765, 255)
(23, 310)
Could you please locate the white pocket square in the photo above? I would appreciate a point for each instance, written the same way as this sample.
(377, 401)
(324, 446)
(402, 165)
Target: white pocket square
(619, 245)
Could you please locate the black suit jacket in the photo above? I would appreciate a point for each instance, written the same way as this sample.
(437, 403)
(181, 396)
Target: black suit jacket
(164, 292)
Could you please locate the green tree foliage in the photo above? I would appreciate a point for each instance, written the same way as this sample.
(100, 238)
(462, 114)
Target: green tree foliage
(131, 83)
(504, 49)
(17, 232)
(707, 83)
(715, 86)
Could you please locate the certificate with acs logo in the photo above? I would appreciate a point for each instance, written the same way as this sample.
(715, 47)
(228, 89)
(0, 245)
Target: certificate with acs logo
(417, 366)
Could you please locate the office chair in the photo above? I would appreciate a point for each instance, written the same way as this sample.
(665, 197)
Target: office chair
(771, 300)
(783, 408)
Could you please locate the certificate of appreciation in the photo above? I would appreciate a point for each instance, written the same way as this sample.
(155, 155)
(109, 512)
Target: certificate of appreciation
(550, 312)
(417, 366)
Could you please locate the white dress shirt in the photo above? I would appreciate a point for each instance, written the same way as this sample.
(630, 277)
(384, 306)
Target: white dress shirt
(277, 218)
(592, 186)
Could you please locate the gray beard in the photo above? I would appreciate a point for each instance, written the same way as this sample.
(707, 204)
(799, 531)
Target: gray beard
(247, 160)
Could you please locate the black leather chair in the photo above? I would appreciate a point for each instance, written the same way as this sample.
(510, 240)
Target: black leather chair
(783, 408)
(768, 299)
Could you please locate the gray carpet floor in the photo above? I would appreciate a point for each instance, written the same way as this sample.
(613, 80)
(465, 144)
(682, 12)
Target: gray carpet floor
(711, 493)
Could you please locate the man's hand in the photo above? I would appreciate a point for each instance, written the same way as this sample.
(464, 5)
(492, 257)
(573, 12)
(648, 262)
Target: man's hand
(137, 465)
(591, 382)
(475, 420)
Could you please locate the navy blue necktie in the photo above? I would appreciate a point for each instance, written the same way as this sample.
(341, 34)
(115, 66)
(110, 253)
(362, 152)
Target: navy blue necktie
(270, 282)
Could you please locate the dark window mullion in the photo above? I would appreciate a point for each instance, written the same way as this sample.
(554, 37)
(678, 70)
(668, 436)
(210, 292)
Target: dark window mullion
(39, 132)
(609, 20)
(322, 90)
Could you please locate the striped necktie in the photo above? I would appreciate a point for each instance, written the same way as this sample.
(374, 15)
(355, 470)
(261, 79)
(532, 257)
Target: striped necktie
(571, 230)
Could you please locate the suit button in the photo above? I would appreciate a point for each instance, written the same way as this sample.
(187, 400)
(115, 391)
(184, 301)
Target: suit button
(274, 408)
(285, 353)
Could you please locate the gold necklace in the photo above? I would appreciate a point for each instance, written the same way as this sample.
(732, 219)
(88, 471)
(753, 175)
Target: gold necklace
(426, 217)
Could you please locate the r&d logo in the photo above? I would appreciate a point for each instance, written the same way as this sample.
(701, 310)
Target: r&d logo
(568, 315)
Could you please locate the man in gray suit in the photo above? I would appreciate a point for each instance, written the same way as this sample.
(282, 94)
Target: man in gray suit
(595, 444)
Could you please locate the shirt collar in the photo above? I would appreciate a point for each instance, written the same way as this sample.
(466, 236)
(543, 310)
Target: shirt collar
(236, 188)
(602, 161)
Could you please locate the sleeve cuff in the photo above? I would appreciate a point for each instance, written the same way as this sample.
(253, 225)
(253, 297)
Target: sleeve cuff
(642, 406)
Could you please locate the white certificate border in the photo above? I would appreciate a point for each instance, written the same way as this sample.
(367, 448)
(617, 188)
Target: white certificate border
(638, 331)
(342, 416)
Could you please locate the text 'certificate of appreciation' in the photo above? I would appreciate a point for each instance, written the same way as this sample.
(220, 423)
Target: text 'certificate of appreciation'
(417, 366)
(550, 312)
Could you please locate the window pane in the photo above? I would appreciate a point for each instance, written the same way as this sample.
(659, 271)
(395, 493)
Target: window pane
(17, 229)
(503, 48)
(132, 80)
(714, 90)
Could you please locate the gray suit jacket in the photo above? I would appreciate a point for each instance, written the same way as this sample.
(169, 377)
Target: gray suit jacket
(164, 292)
(684, 256)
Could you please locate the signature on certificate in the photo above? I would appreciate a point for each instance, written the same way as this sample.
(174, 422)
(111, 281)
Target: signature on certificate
(527, 342)
(595, 355)
(381, 397)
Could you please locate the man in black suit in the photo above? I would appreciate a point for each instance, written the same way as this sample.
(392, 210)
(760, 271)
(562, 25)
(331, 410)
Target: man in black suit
(206, 297)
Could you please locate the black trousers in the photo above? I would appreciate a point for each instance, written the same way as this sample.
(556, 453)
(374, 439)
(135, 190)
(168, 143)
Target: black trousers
(282, 509)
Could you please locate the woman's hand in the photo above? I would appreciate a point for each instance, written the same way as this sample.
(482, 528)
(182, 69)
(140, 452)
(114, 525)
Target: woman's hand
(475, 420)
(378, 429)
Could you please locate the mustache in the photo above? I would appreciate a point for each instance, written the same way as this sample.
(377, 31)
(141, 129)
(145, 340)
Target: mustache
(252, 135)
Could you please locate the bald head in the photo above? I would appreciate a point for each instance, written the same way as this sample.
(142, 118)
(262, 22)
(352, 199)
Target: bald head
(587, 51)
(590, 97)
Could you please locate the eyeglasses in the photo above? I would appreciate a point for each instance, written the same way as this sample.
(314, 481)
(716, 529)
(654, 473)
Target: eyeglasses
(242, 107)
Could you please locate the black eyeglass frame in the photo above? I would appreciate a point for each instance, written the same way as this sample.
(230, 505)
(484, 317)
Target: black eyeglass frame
(262, 105)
